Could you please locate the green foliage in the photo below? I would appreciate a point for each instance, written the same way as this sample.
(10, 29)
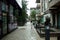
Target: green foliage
(33, 14)
(23, 16)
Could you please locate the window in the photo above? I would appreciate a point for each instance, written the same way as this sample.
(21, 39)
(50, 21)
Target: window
(6, 8)
(43, 5)
(46, 5)
(3, 6)
(4, 18)
(11, 9)
(16, 12)
(11, 13)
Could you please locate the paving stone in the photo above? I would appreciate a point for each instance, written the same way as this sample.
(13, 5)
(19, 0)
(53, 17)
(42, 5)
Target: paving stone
(26, 32)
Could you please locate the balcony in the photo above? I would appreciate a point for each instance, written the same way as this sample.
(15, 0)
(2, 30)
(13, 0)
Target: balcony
(54, 3)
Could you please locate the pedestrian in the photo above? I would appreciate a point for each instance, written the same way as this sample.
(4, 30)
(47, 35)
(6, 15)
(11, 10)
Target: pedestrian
(47, 28)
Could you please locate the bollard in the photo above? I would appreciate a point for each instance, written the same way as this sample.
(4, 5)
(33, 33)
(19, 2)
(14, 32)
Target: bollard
(47, 33)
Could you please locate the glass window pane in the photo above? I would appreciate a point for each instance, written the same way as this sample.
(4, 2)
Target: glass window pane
(3, 6)
(11, 9)
(46, 5)
(6, 8)
(4, 23)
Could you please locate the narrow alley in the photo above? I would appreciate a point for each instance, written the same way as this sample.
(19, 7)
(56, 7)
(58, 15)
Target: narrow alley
(26, 32)
(29, 20)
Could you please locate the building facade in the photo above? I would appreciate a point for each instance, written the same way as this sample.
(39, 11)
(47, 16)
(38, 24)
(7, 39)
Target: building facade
(54, 7)
(51, 8)
(8, 19)
(38, 14)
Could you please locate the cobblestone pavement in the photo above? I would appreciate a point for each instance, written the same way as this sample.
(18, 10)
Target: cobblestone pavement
(26, 32)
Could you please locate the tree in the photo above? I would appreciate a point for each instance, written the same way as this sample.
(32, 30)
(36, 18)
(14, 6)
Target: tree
(23, 15)
(33, 14)
(24, 10)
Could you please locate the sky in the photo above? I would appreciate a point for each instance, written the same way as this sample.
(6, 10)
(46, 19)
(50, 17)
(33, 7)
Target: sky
(31, 4)
(19, 2)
